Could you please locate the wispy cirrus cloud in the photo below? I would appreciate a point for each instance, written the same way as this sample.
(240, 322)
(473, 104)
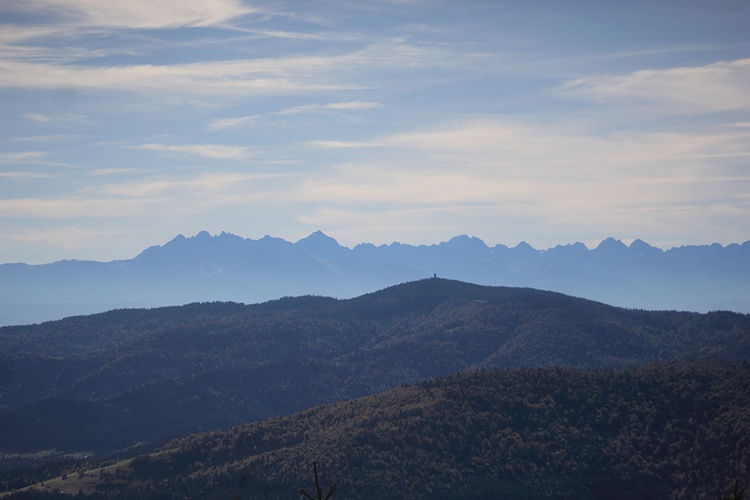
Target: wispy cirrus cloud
(142, 14)
(49, 138)
(222, 123)
(47, 119)
(519, 144)
(282, 75)
(721, 86)
(22, 157)
(543, 173)
(334, 106)
(169, 194)
(20, 176)
(184, 191)
(238, 77)
(212, 151)
(102, 172)
(346, 144)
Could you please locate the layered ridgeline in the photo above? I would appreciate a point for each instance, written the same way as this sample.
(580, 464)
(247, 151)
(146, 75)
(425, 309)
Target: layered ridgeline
(110, 381)
(678, 430)
(230, 268)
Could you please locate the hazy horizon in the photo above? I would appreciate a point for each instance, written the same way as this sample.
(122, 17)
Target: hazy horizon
(544, 122)
(590, 245)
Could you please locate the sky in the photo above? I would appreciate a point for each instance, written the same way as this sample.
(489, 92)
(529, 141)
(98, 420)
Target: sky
(124, 124)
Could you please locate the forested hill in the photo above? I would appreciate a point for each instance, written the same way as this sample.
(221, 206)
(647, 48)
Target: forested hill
(679, 430)
(152, 374)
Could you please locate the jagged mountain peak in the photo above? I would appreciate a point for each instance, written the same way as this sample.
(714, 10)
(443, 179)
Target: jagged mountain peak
(578, 246)
(611, 244)
(524, 247)
(201, 245)
(642, 247)
(205, 236)
(321, 245)
(464, 240)
(317, 236)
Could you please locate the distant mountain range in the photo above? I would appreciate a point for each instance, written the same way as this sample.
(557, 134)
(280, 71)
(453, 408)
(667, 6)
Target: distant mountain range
(226, 267)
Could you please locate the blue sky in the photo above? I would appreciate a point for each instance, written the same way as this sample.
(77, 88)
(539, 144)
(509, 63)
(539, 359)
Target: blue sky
(123, 124)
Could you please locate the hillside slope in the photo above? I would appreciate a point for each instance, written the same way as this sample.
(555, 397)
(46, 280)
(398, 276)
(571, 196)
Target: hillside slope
(679, 430)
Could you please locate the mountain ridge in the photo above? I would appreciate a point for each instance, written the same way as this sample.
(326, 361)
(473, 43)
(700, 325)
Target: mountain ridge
(227, 267)
(155, 373)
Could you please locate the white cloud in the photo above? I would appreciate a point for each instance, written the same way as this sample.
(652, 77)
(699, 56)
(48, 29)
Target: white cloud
(144, 197)
(174, 187)
(56, 209)
(46, 119)
(144, 14)
(344, 144)
(544, 175)
(21, 157)
(44, 138)
(11, 34)
(19, 176)
(720, 86)
(222, 123)
(334, 106)
(524, 149)
(115, 171)
(238, 77)
(213, 151)
(38, 118)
